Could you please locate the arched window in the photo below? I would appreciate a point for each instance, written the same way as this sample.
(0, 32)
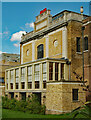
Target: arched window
(40, 51)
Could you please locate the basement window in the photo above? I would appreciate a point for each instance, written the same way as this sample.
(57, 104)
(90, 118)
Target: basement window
(75, 94)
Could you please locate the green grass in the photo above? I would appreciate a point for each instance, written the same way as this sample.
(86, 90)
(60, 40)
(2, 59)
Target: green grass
(18, 114)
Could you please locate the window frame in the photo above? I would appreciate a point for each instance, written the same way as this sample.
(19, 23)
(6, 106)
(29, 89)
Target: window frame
(40, 52)
(78, 49)
(75, 98)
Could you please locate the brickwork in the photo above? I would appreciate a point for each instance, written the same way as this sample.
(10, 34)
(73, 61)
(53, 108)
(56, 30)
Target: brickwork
(74, 30)
(55, 51)
(59, 97)
(27, 58)
(87, 55)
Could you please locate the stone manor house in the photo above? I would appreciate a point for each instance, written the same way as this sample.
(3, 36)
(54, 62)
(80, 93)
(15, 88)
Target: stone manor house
(51, 61)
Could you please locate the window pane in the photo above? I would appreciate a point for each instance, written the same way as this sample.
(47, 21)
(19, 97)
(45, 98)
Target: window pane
(56, 71)
(50, 71)
(44, 71)
(62, 71)
(86, 43)
(29, 85)
(75, 94)
(40, 51)
(36, 84)
(78, 44)
(37, 69)
(22, 74)
(11, 76)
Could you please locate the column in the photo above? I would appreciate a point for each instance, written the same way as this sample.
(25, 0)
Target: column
(5, 81)
(26, 79)
(41, 77)
(59, 71)
(47, 71)
(47, 47)
(19, 78)
(33, 50)
(64, 42)
(65, 71)
(53, 71)
(9, 80)
(14, 79)
(33, 81)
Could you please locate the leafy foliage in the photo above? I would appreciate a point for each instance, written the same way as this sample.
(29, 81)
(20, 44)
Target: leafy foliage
(85, 110)
(31, 105)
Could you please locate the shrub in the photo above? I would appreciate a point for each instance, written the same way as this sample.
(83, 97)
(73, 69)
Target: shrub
(31, 105)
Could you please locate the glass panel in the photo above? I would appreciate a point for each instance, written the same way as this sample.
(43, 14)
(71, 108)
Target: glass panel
(36, 84)
(29, 73)
(44, 71)
(62, 71)
(40, 51)
(17, 75)
(78, 44)
(22, 74)
(50, 71)
(22, 85)
(37, 69)
(56, 71)
(7, 76)
(75, 94)
(11, 76)
(86, 43)
(29, 85)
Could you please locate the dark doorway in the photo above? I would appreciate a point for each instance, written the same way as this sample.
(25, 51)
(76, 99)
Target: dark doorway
(12, 95)
(38, 95)
(23, 96)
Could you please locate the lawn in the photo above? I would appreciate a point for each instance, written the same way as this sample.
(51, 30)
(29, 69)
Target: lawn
(18, 114)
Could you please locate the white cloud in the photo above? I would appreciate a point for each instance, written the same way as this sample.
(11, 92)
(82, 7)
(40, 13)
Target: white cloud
(17, 36)
(16, 44)
(31, 25)
(2, 52)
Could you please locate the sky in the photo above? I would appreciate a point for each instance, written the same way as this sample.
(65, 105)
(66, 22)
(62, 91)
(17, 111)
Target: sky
(18, 18)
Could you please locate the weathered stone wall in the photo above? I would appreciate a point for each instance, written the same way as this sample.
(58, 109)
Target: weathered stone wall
(59, 97)
(73, 31)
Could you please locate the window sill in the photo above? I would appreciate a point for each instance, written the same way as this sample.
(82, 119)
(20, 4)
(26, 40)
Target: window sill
(85, 51)
(75, 101)
(79, 53)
